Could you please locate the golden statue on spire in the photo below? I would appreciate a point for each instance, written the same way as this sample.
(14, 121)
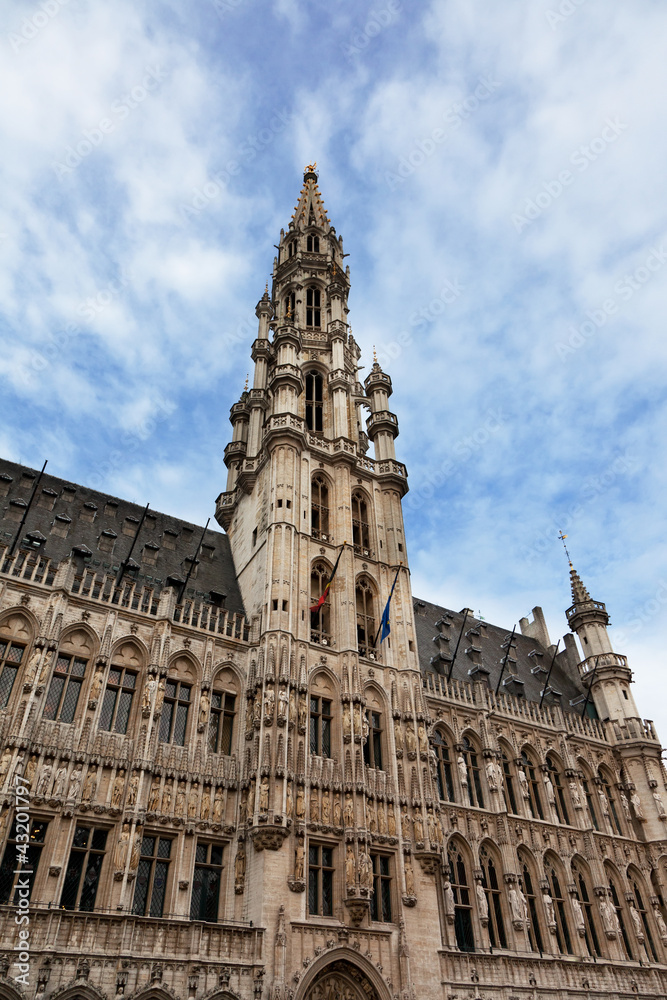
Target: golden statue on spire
(310, 169)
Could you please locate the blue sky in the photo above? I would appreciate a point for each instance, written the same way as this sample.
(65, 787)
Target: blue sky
(497, 173)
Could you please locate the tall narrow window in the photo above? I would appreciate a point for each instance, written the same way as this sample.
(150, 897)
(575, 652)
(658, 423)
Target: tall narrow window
(559, 793)
(320, 620)
(471, 758)
(320, 880)
(221, 722)
(611, 801)
(11, 654)
(584, 897)
(365, 618)
(616, 900)
(175, 708)
(589, 802)
(462, 900)
(373, 744)
(65, 687)
(491, 886)
(290, 306)
(639, 903)
(151, 885)
(9, 874)
(535, 800)
(313, 244)
(83, 869)
(360, 526)
(381, 897)
(206, 882)
(118, 699)
(534, 931)
(320, 727)
(508, 786)
(314, 403)
(562, 928)
(313, 308)
(319, 508)
(443, 766)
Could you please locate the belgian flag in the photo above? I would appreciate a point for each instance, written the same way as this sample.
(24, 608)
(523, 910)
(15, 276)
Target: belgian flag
(325, 592)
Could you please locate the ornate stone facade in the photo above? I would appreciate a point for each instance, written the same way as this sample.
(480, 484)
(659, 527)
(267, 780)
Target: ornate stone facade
(233, 795)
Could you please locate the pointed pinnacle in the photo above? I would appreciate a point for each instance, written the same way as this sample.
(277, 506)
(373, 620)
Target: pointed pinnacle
(579, 593)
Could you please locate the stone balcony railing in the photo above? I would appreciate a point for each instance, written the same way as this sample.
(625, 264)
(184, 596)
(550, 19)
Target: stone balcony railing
(588, 665)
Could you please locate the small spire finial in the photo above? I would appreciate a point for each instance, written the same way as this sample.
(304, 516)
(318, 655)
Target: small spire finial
(311, 168)
(267, 287)
(562, 538)
(245, 387)
(375, 357)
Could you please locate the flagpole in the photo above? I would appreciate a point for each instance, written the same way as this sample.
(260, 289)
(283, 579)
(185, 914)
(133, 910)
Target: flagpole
(458, 643)
(375, 641)
(509, 650)
(546, 683)
(323, 595)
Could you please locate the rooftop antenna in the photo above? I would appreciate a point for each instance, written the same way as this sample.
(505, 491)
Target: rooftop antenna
(124, 564)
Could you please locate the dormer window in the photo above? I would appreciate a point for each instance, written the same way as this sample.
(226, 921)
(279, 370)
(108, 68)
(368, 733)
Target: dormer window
(314, 404)
(313, 307)
(313, 244)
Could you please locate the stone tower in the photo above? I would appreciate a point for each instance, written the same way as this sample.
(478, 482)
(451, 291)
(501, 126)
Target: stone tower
(300, 485)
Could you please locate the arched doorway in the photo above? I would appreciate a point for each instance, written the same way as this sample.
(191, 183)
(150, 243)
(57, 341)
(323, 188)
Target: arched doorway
(341, 980)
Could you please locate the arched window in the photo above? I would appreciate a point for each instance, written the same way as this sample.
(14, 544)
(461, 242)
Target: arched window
(11, 655)
(640, 894)
(460, 884)
(589, 790)
(533, 786)
(291, 248)
(557, 792)
(221, 723)
(290, 305)
(509, 792)
(491, 886)
(313, 313)
(320, 620)
(121, 686)
(176, 702)
(471, 758)
(313, 244)
(443, 766)
(616, 897)
(584, 896)
(69, 673)
(606, 790)
(319, 508)
(360, 527)
(528, 884)
(314, 403)
(558, 899)
(366, 627)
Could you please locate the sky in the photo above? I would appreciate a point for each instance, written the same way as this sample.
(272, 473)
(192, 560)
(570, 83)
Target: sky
(497, 173)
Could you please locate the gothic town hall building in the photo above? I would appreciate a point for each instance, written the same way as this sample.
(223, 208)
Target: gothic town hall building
(227, 795)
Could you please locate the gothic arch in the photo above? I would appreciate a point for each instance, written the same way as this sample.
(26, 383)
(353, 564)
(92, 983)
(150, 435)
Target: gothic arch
(133, 640)
(347, 969)
(151, 991)
(223, 665)
(30, 627)
(321, 670)
(379, 697)
(183, 663)
(8, 992)
(78, 989)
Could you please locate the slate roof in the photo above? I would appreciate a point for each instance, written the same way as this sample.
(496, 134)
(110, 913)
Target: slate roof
(163, 545)
(486, 649)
